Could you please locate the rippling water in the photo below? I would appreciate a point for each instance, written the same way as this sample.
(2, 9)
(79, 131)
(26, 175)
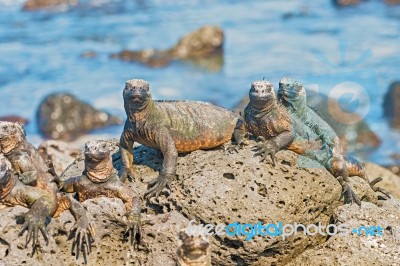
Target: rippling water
(40, 52)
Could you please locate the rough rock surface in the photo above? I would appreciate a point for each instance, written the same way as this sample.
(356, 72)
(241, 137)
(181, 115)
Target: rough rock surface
(43, 4)
(351, 136)
(211, 187)
(360, 250)
(390, 181)
(63, 116)
(59, 152)
(391, 105)
(203, 43)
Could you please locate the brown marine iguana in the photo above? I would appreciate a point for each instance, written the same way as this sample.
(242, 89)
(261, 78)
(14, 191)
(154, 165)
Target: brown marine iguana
(100, 179)
(172, 127)
(41, 206)
(266, 118)
(30, 169)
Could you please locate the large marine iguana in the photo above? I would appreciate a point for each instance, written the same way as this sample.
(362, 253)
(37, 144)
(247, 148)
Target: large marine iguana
(172, 127)
(30, 169)
(292, 95)
(266, 118)
(41, 206)
(100, 179)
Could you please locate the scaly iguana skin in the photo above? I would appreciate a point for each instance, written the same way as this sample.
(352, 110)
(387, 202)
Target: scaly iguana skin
(266, 118)
(292, 95)
(41, 206)
(170, 126)
(29, 168)
(100, 179)
(193, 250)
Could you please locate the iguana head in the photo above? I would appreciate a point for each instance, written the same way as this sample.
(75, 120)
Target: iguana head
(193, 250)
(292, 94)
(98, 162)
(136, 95)
(262, 94)
(6, 178)
(11, 136)
(97, 150)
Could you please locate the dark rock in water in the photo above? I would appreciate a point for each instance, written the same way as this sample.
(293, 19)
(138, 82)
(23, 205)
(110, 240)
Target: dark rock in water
(204, 43)
(345, 3)
(15, 118)
(89, 54)
(392, 2)
(351, 135)
(44, 4)
(63, 116)
(391, 105)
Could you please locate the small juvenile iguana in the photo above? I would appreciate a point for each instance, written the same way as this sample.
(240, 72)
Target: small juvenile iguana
(30, 169)
(170, 126)
(266, 118)
(41, 206)
(193, 250)
(292, 95)
(100, 179)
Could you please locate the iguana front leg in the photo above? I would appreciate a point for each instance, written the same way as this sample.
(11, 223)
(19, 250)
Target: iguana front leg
(84, 232)
(126, 150)
(239, 135)
(166, 144)
(24, 168)
(132, 205)
(271, 146)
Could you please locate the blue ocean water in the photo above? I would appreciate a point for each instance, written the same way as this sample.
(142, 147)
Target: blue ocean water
(40, 52)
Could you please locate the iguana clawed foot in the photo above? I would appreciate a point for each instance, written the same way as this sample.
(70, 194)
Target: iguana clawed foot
(265, 149)
(126, 174)
(34, 222)
(349, 195)
(84, 236)
(158, 184)
(379, 189)
(134, 229)
(236, 147)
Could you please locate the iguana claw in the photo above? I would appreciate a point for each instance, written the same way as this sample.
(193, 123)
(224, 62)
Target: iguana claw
(134, 228)
(158, 184)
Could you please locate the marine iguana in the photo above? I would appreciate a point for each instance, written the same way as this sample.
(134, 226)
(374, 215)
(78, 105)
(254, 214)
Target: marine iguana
(172, 127)
(193, 250)
(41, 206)
(266, 118)
(30, 169)
(100, 179)
(292, 95)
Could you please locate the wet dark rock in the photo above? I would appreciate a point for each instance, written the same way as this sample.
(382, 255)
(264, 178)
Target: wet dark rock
(31, 5)
(392, 2)
(391, 105)
(205, 43)
(63, 116)
(15, 118)
(346, 3)
(89, 54)
(352, 136)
